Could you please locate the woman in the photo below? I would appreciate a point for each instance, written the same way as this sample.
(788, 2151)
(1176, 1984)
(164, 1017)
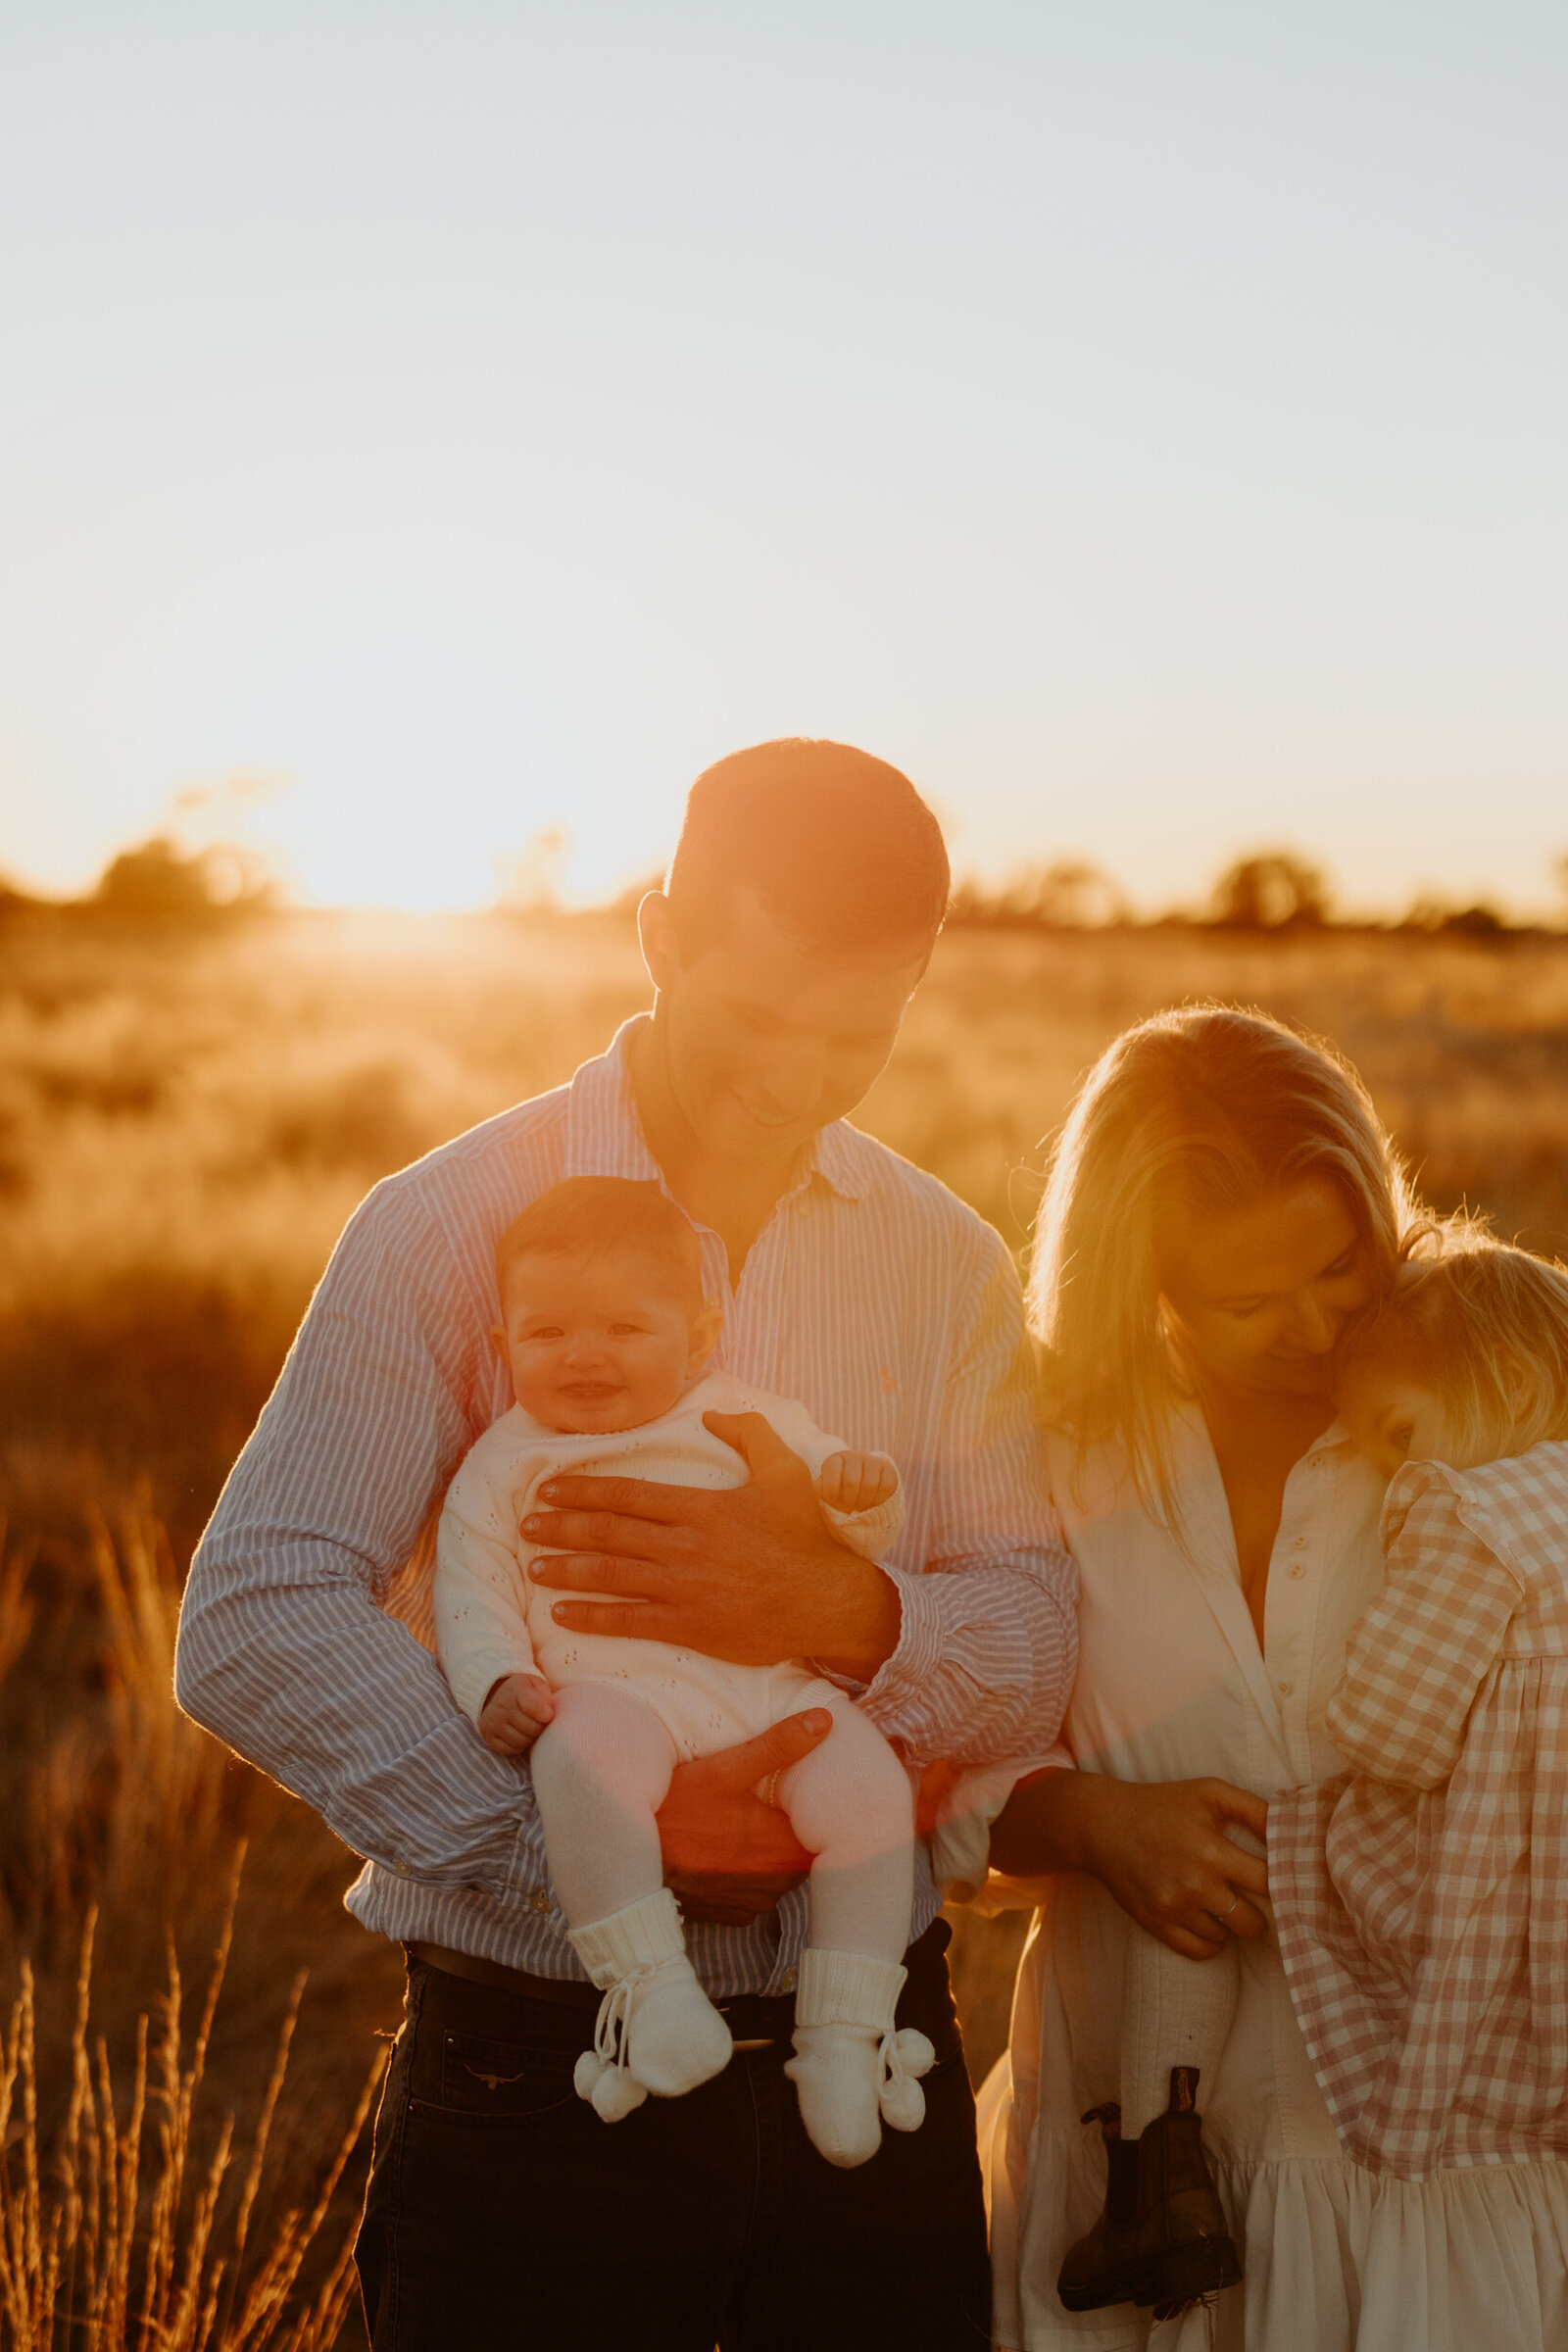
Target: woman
(1222, 1200)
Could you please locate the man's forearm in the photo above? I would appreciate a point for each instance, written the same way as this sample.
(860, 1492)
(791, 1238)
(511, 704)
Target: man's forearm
(862, 1624)
(303, 1673)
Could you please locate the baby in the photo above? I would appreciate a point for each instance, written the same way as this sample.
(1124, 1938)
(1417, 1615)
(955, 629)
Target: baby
(1420, 1900)
(606, 1337)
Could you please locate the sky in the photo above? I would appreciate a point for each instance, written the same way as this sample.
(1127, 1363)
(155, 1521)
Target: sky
(430, 425)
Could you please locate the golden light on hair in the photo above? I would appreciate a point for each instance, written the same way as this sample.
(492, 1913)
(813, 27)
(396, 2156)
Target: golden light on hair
(1203, 1109)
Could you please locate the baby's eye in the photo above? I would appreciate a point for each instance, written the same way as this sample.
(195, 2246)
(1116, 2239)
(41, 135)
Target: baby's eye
(546, 1331)
(625, 1330)
(1245, 1314)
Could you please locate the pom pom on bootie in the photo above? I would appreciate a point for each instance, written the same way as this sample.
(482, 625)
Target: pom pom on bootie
(611, 2090)
(904, 2055)
(852, 2065)
(657, 2030)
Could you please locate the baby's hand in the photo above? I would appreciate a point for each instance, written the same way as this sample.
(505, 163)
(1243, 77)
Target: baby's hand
(855, 1481)
(514, 1713)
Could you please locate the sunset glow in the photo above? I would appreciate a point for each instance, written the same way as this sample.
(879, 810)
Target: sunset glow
(1143, 425)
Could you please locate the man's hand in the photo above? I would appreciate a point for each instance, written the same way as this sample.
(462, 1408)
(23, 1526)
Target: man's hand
(729, 1855)
(855, 1481)
(748, 1573)
(514, 1713)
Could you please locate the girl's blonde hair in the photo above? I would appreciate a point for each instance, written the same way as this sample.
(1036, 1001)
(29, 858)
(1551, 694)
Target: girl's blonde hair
(1484, 1329)
(1201, 1109)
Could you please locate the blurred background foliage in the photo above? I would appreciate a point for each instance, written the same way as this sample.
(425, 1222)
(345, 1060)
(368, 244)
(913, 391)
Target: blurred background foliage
(198, 1084)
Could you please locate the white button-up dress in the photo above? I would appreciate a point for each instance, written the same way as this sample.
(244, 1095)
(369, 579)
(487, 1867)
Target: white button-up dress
(1172, 1686)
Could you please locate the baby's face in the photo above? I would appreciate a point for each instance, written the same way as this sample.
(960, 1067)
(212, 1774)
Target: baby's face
(1393, 1420)
(604, 1342)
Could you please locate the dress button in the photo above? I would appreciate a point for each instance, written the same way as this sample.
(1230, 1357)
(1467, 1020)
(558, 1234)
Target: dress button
(802, 1208)
(787, 1980)
(1298, 1569)
(1286, 1689)
(1299, 1544)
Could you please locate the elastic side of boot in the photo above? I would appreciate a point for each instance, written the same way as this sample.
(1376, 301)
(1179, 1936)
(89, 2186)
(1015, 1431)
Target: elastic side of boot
(1182, 2249)
(1175, 2185)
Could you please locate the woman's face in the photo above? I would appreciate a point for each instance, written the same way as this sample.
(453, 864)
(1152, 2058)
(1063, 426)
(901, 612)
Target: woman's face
(1259, 1294)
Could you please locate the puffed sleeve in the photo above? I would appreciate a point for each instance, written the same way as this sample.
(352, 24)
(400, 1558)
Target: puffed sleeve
(1421, 1652)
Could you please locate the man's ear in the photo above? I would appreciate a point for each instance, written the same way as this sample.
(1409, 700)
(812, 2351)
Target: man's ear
(706, 1328)
(655, 934)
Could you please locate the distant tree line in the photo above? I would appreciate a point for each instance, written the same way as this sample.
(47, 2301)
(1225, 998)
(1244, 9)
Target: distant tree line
(1273, 891)
(1270, 891)
(159, 883)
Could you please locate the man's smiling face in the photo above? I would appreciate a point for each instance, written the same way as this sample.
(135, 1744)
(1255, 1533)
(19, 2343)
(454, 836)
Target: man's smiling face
(765, 1041)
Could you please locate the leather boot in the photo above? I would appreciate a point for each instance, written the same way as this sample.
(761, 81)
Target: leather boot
(1182, 2248)
(1098, 2269)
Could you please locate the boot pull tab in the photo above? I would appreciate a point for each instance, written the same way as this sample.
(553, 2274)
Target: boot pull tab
(1183, 2091)
(1107, 2115)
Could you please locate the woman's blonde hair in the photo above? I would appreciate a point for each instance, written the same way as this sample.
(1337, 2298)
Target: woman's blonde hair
(1484, 1329)
(1201, 1109)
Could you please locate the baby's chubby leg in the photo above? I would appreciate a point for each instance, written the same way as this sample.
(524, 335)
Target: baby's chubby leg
(600, 1771)
(852, 1807)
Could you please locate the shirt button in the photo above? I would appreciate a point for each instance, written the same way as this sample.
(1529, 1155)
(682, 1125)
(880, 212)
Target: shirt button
(1286, 1689)
(539, 1899)
(1298, 1569)
(802, 1208)
(1299, 1544)
(787, 1980)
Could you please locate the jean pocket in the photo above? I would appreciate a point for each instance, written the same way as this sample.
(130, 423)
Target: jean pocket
(502, 2081)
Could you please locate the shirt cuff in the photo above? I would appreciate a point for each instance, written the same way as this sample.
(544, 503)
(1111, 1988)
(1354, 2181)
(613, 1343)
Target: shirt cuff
(896, 1698)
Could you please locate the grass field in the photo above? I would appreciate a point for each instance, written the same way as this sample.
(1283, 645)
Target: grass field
(184, 1124)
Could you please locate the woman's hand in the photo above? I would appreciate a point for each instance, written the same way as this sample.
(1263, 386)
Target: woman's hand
(1161, 1849)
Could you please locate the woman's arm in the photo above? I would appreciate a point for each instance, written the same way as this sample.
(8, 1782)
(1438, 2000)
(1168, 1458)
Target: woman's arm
(1159, 1848)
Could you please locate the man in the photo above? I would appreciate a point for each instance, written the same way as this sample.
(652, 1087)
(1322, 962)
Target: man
(801, 905)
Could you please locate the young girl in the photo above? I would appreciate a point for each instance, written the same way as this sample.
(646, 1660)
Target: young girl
(1421, 1900)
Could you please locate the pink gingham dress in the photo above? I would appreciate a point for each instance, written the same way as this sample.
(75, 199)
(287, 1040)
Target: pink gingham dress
(1422, 1901)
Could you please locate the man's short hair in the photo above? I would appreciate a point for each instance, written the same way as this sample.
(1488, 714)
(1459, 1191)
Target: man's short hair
(586, 1215)
(840, 849)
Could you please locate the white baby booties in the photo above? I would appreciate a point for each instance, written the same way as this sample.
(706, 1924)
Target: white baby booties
(854, 2068)
(657, 2029)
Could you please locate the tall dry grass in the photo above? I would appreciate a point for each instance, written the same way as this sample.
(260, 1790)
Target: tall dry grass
(110, 2242)
(183, 1128)
(127, 2217)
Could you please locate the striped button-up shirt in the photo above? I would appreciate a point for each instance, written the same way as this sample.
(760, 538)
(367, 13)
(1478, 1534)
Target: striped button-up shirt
(872, 1293)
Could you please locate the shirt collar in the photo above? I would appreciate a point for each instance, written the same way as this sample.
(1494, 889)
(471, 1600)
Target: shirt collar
(605, 1134)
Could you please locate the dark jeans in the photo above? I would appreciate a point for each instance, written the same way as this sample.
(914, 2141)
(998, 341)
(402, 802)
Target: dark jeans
(501, 2212)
